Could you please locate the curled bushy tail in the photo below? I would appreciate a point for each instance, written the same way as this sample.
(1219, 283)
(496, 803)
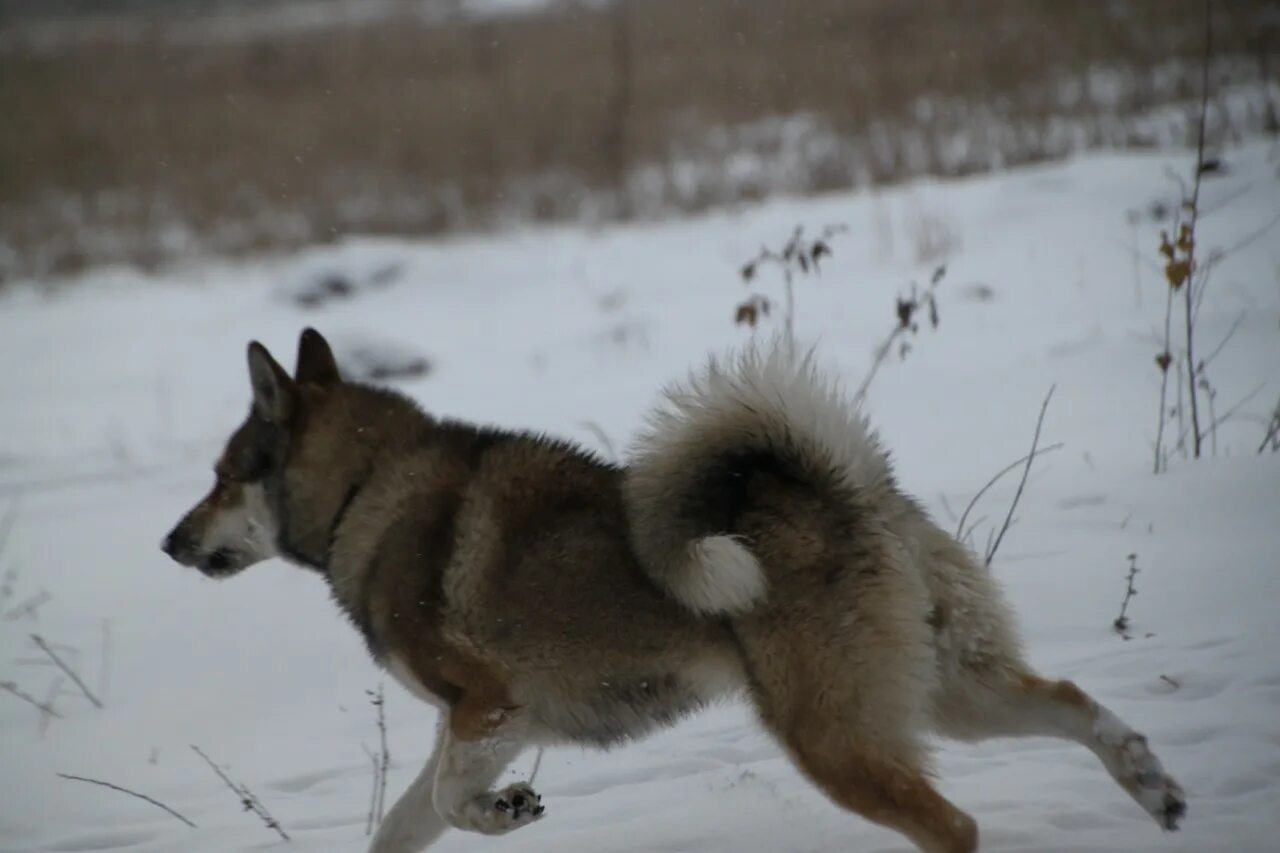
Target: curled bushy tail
(764, 407)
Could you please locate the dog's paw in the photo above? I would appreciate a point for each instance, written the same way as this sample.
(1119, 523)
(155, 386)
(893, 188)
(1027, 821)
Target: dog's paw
(521, 801)
(1156, 791)
(500, 812)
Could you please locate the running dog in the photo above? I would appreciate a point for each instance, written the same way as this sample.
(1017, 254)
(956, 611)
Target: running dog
(755, 544)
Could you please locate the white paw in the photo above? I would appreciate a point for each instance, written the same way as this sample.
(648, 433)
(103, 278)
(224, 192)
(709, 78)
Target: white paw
(1145, 779)
(499, 812)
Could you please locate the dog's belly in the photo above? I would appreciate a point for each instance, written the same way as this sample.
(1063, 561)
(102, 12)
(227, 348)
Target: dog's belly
(603, 709)
(402, 673)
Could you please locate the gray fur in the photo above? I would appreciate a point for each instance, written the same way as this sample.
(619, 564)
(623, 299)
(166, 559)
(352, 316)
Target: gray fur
(756, 545)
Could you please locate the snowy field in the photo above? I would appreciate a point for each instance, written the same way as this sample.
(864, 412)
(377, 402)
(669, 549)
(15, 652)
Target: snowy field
(116, 393)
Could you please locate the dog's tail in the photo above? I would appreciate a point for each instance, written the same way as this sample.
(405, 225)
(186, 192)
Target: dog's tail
(765, 411)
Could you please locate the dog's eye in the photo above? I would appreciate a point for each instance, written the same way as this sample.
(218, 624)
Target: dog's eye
(259, 465)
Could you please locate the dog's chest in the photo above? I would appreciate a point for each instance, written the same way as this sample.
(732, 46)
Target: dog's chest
(403, 673)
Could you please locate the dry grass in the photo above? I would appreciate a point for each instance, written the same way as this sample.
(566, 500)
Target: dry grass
(145, 147)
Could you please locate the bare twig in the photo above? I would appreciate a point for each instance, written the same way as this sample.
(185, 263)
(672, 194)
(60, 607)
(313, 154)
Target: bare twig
(1223, 203)
(1231, 411)
(1251, 237)
(143, 797)
(960, 530)
(373, 795)
(537, 764)
(45, 708)
(1163, 361)
(50, 697)
(798, 255)
(7, 523)
(28, 607)
(1225, 340)
(383, 759)
(1272, 435)
(1196, 434)
(1121, 625)
(905, 311)
(603, 437)
(386, 753)
(104, 670)
(247, 798)
(71, 673)
(1035, 441)
(946, 505)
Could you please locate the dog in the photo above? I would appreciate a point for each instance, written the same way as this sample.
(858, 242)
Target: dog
(755, 544)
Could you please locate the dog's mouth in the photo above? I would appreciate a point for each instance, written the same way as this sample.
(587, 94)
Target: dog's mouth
(220, 563)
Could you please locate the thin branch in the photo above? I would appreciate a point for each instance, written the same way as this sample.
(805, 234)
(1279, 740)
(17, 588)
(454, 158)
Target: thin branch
(143, 797)
(45, 708)
(1226, 200)
(51, 697)
(29, 606)
(537, 764)
(968, 534)
(1196, 434)
(247, 798)
(882, 354)
(71, 673)
(960, 532)
(1121, 624)
(1273, 430)
(603, 437)
(1035, 441)
(373, 795)
(1205, 362)
(104, 671)
(1249, 238)
(1243, 400)
(1162, 361)
(8, 523)
(946, 505)
(386, 753)
(1149, 263)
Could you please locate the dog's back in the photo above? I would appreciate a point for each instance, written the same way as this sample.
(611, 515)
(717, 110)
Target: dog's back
(507, 554)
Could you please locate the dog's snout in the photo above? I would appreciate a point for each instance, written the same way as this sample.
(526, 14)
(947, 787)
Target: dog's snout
(173, 543)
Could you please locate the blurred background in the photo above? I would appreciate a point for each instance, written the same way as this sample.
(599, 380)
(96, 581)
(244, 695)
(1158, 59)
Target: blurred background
(536, 213)
(144, 131)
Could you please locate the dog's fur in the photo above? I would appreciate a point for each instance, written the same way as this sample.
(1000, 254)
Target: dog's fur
(756, 543)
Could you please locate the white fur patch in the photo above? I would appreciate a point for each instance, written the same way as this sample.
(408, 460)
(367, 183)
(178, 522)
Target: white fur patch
(770, 395)
(402, 673)
(721, 576)
(247, 529)
(1130, 760)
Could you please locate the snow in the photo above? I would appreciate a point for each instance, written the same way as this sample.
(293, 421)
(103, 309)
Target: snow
(119, 389)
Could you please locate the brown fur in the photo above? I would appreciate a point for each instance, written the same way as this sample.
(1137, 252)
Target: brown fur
(537, 594)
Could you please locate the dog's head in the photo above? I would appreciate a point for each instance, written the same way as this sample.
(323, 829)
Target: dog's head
(239, 522)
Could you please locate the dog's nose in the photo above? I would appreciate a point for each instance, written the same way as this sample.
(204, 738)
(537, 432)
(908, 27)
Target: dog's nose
(172, 543)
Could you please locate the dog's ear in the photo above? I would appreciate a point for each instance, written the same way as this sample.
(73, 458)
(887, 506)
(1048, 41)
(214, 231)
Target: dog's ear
(315, 360)
(273, 391)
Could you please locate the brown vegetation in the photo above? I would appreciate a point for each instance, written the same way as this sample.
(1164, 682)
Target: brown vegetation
(144, 146)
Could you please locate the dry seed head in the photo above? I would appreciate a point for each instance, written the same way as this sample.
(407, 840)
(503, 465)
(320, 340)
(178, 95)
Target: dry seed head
(1177, 272)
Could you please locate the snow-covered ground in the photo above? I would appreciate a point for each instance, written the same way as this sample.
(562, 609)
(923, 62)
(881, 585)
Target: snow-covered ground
(116, 393)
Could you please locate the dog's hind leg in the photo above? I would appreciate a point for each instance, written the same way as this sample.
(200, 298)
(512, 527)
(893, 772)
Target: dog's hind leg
(888, 791)
(1011, 701)
(848, 726)
(478, 742)
(413, 823)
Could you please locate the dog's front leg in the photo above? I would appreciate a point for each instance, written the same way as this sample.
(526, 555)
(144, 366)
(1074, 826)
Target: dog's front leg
(479, 741)
(413, 823)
